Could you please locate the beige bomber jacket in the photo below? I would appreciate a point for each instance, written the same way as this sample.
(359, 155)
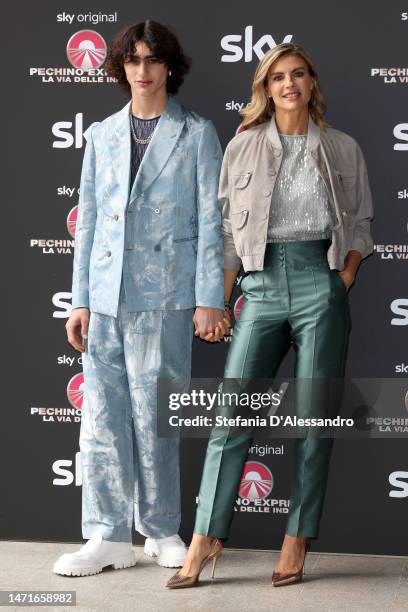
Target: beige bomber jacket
(249, 170)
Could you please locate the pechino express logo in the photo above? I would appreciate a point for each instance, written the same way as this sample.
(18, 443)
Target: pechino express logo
(256, 481)
(72, 220)
(86, 50)
(392, 425)
(75, 391)
(238, 306)
(75, 394)
(57, 246)
(256, 485)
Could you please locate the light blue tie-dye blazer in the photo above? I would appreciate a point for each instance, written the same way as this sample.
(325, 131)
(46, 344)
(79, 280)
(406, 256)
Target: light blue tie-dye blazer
(164, 232)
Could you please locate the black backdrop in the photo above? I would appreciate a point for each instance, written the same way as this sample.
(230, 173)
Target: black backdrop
(366, 506)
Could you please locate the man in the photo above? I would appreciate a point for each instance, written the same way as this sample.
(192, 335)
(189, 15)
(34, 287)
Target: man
(148, 251)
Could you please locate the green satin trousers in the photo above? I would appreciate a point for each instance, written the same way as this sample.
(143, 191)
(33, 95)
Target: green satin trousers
(295, 298)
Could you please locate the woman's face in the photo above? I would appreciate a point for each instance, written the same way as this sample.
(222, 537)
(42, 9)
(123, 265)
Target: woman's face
(289, 83)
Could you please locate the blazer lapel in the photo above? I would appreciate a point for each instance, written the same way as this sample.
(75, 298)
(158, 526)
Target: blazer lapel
(164, 139)
(119, 162)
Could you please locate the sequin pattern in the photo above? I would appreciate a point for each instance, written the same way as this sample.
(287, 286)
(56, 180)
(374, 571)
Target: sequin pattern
(300, 208)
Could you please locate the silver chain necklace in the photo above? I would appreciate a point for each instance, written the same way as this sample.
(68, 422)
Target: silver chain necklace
(142, 141)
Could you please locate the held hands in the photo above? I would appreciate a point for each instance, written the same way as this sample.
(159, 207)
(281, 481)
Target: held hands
(77, 328)
(211, 324)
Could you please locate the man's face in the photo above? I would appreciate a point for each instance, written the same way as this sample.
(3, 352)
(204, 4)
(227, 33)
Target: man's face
(146, 74)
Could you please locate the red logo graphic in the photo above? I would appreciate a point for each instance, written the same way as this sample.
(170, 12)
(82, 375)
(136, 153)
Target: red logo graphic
(75, 390)
(86, 49)
(256, 481)
(71, 221)
(238, 306)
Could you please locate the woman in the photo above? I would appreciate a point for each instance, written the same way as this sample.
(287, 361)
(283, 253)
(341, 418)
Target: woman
(296, 212)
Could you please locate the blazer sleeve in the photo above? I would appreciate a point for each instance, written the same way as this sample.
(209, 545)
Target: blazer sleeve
(231, 259)
(85, 226)
(209, 283)
(362, 240)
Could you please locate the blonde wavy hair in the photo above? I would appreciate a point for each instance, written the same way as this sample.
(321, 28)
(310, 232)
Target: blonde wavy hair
(261, 108)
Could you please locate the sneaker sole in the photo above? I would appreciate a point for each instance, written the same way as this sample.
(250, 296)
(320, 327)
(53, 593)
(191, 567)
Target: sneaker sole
(150, 552)
(179, 563)
(91, 571)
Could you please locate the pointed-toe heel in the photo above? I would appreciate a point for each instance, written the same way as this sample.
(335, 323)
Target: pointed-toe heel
(180, 582)
(281, 579)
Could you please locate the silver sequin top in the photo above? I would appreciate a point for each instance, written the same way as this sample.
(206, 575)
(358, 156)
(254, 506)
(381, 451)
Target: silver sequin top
(300, 207)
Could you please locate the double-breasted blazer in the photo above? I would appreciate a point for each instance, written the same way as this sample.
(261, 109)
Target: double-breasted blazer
(162, 234)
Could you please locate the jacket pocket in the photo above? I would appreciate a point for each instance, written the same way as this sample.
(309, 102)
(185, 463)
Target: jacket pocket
(177, 240)
(347, 183)
(240, 181)
(239, 218)
(346, 180)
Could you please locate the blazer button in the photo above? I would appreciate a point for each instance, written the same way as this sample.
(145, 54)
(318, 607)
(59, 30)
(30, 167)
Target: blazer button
(108, 253)
(157, 211)
(344, 213)
(278, 153)
(267, 194)
(116, 217)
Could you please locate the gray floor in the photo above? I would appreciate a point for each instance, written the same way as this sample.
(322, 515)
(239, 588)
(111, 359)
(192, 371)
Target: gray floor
(243, 583)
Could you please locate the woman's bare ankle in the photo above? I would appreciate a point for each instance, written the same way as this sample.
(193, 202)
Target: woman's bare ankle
(198, 549)
(200, 540)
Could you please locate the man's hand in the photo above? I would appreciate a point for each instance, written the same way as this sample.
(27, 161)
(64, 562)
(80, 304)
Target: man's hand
(77, 328)
(207, 321)
(222, 329)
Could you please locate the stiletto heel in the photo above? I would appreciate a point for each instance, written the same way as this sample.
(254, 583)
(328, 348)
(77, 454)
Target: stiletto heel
(214, 563)
(280, 579)
(178, 582)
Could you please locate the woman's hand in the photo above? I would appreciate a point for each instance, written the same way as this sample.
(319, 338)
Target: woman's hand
(206, 320)
(223, 329)
(351, 263)
(347, 277)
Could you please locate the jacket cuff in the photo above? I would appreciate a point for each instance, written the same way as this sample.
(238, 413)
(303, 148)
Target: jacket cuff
(213, 296)
(81, 300)
(232, 262)
(218, 305)
(361, 245)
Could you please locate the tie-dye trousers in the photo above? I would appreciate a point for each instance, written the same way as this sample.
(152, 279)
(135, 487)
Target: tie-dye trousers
(128, 471)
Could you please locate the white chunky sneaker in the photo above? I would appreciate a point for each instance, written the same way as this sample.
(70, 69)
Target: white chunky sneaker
(93, 556)
(168, 552)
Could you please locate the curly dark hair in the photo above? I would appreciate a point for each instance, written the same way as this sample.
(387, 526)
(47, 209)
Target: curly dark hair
(162, 43)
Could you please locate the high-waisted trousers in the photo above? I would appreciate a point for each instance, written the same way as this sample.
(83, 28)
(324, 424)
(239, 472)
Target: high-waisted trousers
(128, 472)
(296, 297)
